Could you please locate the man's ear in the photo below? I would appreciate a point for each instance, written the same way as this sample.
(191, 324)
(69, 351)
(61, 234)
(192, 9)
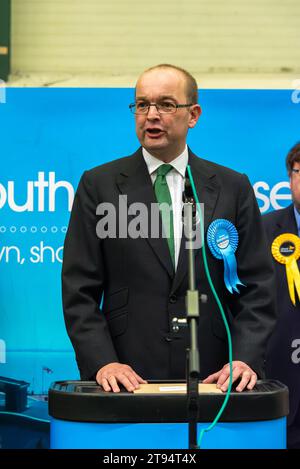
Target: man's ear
(195, 113)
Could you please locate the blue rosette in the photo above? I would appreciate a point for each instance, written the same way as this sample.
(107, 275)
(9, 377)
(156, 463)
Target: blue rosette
(222, 240)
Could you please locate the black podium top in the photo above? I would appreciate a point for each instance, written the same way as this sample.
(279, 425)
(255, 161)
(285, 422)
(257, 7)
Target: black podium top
(85, 401)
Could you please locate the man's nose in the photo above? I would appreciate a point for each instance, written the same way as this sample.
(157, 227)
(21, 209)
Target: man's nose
(153, 112)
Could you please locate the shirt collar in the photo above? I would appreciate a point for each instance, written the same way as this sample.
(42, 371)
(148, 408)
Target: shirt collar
(297, 216)
(180, 163)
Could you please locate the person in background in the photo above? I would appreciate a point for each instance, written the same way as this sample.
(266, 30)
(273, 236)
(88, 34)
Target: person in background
(283, 353)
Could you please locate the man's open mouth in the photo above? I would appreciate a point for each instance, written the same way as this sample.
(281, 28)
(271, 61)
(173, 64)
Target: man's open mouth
(154, 132)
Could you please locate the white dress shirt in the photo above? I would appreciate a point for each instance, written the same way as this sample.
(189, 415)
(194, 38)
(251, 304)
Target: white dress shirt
(175, 180)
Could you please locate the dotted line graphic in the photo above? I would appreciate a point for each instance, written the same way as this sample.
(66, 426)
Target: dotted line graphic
(33, 229)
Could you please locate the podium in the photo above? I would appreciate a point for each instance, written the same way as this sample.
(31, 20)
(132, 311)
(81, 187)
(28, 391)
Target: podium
(83, 416)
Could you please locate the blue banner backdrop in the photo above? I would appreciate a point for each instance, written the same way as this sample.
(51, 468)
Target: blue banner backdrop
(48, 138)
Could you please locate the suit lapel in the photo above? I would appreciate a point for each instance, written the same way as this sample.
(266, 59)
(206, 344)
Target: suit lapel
(208, 190)
(135, 182)
(287, 223)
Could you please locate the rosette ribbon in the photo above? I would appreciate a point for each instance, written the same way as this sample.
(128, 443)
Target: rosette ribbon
(286, 250)
(222, 240)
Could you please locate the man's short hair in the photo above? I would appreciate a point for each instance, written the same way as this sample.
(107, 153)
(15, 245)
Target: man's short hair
(293, 156)
(190, 81)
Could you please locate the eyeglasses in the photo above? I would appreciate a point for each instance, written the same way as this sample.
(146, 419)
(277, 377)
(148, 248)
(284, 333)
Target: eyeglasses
(163, 107)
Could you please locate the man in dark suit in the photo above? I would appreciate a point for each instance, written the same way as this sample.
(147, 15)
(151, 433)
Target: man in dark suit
(283, 353)
(144, 280)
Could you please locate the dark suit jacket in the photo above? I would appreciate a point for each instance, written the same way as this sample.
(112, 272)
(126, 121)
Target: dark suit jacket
(279, 354)
(141, 292)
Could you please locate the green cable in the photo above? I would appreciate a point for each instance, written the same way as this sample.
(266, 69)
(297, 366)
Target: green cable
(216, 419)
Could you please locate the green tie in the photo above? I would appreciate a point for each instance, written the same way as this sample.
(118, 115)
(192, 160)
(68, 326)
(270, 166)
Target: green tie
(163, 195)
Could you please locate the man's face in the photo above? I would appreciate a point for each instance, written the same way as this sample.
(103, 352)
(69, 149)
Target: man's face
(295, 185)
(164, 135)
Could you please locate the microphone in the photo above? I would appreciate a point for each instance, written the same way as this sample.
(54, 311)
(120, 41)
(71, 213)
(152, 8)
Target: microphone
(187, 195)
(188, 198)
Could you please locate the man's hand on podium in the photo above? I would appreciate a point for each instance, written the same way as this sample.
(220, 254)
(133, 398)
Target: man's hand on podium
(239, 370)
(110, 375)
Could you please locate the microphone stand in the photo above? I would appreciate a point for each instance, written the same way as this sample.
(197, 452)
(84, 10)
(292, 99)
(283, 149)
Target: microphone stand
(192, 308)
